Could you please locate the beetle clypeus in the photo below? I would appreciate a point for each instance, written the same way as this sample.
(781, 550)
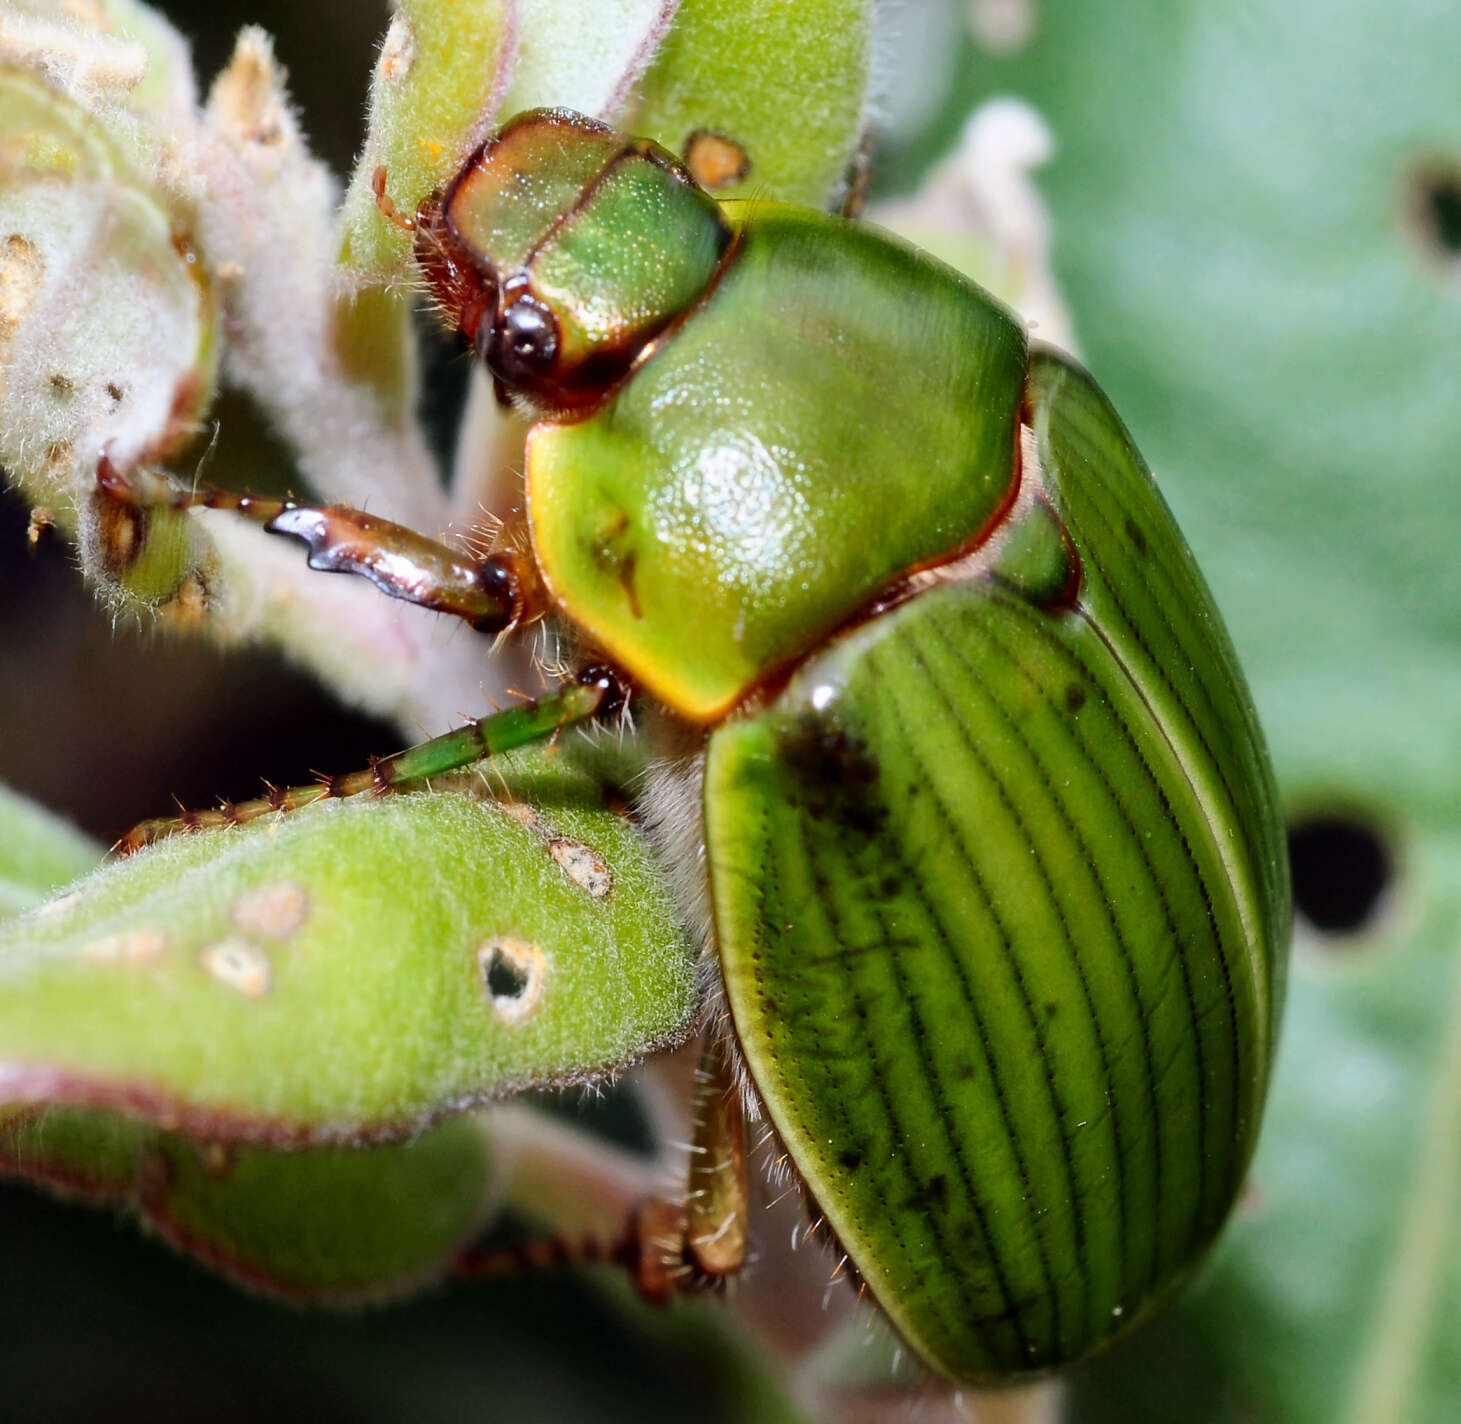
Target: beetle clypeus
(989, 856)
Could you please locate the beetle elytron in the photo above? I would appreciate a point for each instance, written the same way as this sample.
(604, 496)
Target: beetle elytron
(989, 836)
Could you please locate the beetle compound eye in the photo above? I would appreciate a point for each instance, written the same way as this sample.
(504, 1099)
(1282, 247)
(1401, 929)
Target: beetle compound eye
(523, 346)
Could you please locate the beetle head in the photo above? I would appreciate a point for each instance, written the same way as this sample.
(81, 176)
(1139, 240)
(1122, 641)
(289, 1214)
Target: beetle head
(562, 249)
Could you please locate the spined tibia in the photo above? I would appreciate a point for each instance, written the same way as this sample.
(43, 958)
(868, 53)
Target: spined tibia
(596, 693)
(493, 592)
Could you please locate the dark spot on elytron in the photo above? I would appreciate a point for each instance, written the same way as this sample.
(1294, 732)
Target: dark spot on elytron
(114, 391)
(934, 1193)
(772, 1006)
(1051, 1009)
(1138, 539)
(851, 1161)
(1013, 1311)
(837, 774)
(1341, 866)
(889, 887)
(627, 566)
(1075, 698)
(505, 980)
(964, 1073)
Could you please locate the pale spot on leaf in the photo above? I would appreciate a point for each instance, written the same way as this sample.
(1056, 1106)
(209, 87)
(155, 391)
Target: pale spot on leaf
(61, 905)
(580, 863)
(1002, 26)
(239, 965)
(522, 813)
(273, 911)
(21, 271)
(398, 52)
(136, 947)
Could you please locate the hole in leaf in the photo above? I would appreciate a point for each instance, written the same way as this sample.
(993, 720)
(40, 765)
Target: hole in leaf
(512, 973)
(1432, 209)
(1342, 865)
(505, 980)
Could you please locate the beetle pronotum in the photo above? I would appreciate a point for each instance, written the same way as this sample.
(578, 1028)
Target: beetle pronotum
(988, 832)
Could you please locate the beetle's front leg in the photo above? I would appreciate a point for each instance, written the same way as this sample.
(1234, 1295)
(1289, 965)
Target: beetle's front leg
(494, 592)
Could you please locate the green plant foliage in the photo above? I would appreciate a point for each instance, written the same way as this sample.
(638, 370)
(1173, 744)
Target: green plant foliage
(91, 239)
(329, 1223)
(353, 970)
(786, 84)
(440, 76)
(38, 852)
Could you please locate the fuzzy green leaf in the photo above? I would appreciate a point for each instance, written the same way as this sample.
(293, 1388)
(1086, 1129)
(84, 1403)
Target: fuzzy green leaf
(38, 852)
(786, 84)
(106, 326)
(328, 1223)
(353, 970)
(440, 77)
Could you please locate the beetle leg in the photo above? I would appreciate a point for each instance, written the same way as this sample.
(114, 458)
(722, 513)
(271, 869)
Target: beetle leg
(597, 693)
(493, 592)
(717, 1196)
(388, 210)
(859, 176)
(667, 1248)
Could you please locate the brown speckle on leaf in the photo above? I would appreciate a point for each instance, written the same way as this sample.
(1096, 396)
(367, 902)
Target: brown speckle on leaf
(582, 866)
(21, 271)
(523, 814)
(188, 606)
(714, 160)
(119, 535)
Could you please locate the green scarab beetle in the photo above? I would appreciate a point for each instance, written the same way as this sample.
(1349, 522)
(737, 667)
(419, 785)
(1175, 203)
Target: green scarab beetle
(989, 850)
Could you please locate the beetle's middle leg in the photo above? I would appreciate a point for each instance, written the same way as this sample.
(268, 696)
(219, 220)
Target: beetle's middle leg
(596, 694)
(494, 592)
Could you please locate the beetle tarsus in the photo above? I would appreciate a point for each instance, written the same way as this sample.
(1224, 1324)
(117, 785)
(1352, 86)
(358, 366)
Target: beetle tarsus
(651, 1249)
(388, 210)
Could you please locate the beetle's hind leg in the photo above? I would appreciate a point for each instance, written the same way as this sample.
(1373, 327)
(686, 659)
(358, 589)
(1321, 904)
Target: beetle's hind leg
(668, 1248)
(494, 592)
